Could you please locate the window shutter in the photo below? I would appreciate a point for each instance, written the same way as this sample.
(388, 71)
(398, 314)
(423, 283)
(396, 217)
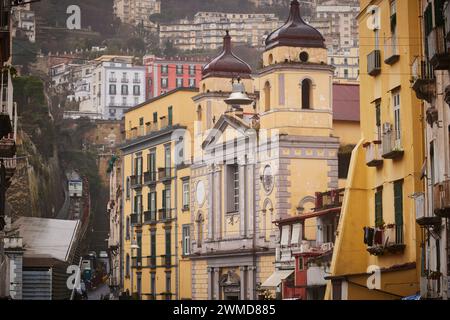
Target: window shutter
(379, 207)
(398, 202)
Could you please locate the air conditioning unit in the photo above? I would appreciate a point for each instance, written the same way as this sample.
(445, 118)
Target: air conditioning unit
(387, 127)
(327, 246)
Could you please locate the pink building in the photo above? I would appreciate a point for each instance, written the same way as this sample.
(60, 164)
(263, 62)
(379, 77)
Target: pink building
(166, 74)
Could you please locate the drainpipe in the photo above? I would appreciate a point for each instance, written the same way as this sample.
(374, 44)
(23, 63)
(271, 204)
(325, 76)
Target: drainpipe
(177, 269)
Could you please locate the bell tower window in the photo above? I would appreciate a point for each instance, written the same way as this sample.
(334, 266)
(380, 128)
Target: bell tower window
(267, 96)
(306, 94)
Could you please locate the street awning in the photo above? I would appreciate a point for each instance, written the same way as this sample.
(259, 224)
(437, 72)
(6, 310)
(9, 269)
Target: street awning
(275, 279)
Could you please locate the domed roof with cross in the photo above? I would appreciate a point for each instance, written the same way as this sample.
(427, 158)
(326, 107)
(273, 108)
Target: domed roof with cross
(295, 32)
(227, 64)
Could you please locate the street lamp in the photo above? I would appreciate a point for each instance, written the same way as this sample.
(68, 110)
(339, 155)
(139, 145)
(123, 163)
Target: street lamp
(133, 248)
(238, 96)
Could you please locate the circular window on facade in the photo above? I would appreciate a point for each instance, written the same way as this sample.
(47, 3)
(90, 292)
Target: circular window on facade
(200, 193)
(304, 56)
(267, 179)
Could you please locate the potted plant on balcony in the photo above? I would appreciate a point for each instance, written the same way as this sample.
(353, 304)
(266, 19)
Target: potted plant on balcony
(434, 275)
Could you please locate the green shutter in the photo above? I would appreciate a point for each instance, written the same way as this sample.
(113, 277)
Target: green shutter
(378, 114)
(163, 199)
(168, 243)
(438, 14)
(398, 202)
(170, 111)
(379, 207)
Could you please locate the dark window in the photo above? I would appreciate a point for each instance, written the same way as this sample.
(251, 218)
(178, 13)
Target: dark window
(398, 207)
(344, 158)
(136, 90)
(112, 89)
(124, 90)
(379, 207)
(337, 289)
(168, 246)
(306, 94)
(170, 117)
(155, 117)
(153, 248)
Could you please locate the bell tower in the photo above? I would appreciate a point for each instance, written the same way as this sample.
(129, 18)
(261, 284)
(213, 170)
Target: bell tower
(296, 81)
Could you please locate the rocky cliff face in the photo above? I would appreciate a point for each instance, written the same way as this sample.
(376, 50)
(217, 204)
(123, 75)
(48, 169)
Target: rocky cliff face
(36, 188)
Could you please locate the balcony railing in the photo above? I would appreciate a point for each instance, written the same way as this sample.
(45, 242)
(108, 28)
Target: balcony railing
(136, 218)
(392, 147)
(164, 174)
(142, 131)
(388, 239)
(136, 262)
(136, 80)
(124, 80)
(164, 214)
(374, 156)
(329, 199)
(437, 49)
(441, 199)
(150, 177)
(423, 80)
(374, 63)
(391, 52)
(166, 260)
(423, 218)
(151, 127)
(150, 217)
(151, 261)
(7, 146)
(136, 181)
(113, 80)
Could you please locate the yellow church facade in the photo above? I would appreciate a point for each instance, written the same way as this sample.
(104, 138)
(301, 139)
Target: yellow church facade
(205, 178)
(376, 254)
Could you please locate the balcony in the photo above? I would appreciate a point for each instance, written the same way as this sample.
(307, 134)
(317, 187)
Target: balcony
(151, 127)
(164, 174)
(136, 181)
(151, 261)
(166, 260)
(136, 262)
(329, 199)
(113, 80)
(150, 178)
(164, 215)
(385, 240)
(391, 52)
(136, 219)
(374, 156)
(392, 147)
(10, 165)
(437, 49)
(374, 63)
(424, 219)
(7, 146)
(124, 80)
(150, 217)
(441, 199)
(423, 81)
(136, 81)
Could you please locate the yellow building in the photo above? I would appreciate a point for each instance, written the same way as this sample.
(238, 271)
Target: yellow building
(376, 253)
(156, 197)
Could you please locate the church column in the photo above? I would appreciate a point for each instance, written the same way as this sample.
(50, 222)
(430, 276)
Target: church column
(251, 283)
(211, 203)
(216, 291)
(251, 199)
(243, 277)
(210, 283)
(242, 200)
(217, 204)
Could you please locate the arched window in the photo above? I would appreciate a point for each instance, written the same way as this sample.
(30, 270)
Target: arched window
(306, 94)
(199, 230)
(270, 58)
(267, 96)
(204, 88)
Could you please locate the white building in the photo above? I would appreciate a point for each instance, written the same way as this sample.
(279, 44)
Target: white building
(346, 63)
(107, 87)
(137, 11)
(206, 30)
(24, 22)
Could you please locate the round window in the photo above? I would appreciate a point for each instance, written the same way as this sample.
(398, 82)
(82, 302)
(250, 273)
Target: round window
(304, 56)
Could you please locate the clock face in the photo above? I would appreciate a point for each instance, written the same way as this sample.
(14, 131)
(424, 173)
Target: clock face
(200, 193)
(267, 179)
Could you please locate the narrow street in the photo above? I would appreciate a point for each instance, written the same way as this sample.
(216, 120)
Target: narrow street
(99, 292)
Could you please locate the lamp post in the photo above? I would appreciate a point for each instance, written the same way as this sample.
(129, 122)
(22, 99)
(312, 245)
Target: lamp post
(133, 248)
